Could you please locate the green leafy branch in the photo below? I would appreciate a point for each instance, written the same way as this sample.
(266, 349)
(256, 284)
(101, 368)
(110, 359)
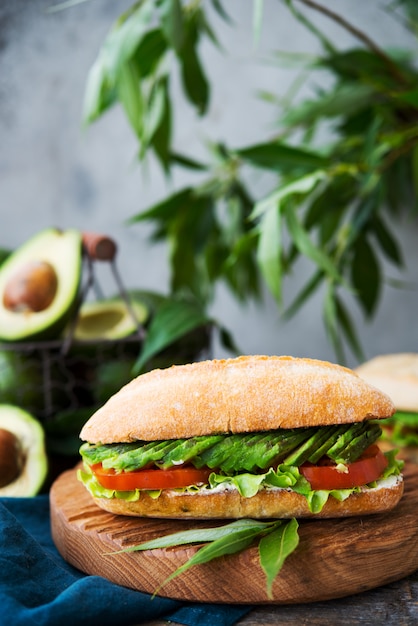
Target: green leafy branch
(135, 65)
(334, 200)
(277, 540)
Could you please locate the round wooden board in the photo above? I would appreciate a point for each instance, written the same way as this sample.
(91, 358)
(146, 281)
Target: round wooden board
(334, 558)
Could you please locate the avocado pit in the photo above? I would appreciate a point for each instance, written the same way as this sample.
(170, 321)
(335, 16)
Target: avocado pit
(11, 457)
(32, 288)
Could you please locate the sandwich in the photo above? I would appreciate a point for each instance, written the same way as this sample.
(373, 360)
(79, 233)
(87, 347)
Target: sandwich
(397, 375)
(247, 437)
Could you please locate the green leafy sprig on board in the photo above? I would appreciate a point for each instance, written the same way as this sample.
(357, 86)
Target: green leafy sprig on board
(276, 541)
(334, 199)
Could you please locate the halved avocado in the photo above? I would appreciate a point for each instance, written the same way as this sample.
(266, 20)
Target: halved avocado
(109, 319)
(23, 459)
(39, 285)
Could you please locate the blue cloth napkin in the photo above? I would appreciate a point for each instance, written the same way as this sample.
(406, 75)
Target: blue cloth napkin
(38, 587)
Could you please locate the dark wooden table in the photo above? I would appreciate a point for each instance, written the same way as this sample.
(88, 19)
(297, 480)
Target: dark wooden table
(392, 605)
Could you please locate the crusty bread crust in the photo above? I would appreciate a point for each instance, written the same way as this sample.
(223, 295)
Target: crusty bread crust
(397, 375)
(268, 503)
(244, 394)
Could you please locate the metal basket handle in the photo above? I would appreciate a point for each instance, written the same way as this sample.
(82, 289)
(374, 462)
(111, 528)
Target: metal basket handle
(99, 247)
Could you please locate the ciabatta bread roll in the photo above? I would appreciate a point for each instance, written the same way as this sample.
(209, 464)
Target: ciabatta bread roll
(255, 436)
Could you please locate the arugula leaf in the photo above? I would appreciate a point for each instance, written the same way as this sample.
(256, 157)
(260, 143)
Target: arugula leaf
(231, 544)
(278, 540)
(201, 535)
(274, 549)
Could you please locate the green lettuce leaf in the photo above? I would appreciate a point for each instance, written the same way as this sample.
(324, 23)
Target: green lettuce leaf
(403, 429)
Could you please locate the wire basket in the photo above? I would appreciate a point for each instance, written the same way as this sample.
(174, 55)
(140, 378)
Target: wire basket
(49, 378)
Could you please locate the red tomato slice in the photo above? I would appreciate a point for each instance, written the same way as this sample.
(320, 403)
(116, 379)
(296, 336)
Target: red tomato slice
(366, 469)
(150, 478)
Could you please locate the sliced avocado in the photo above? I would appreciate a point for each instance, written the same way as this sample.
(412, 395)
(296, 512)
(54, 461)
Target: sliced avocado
(22, 445)
(39, 285)
(109, 319)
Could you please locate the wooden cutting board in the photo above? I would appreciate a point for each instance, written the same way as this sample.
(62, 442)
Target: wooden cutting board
(335, 558)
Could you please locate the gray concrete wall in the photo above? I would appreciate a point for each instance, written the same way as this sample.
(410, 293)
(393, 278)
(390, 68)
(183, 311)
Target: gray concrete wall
(54, 173)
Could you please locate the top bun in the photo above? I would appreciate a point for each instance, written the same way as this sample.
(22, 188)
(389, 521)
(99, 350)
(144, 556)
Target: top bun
(397, 374)
(244, 394)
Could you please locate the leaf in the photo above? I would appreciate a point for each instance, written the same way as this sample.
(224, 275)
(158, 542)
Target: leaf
(269, 250)
(362, 216)
(123, 41)
(130, 96)
(194, 79)
(227, 341)
(387, 242)
(331, 321)
(305, 293)
(359, 64)
(337, 322)
(281, 157)
(117, 49)
(217, 5)
(165, 209)
(410, 97)
(366, 276)
(241, 268)
(100, 93)
(328, 207)
(192, 232)
(274, 549)
(201, 535)
(229, 544)
(172, 22)
(230, 539)
(173, 320)
(258, 11)
(184, 161)
(149, 52)
(301, 185)
(347, 327)
(155, 110)
(342, 100)
(304, 244)
(161, 142)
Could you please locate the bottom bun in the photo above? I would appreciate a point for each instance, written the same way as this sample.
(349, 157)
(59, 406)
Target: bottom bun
(269, 503)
